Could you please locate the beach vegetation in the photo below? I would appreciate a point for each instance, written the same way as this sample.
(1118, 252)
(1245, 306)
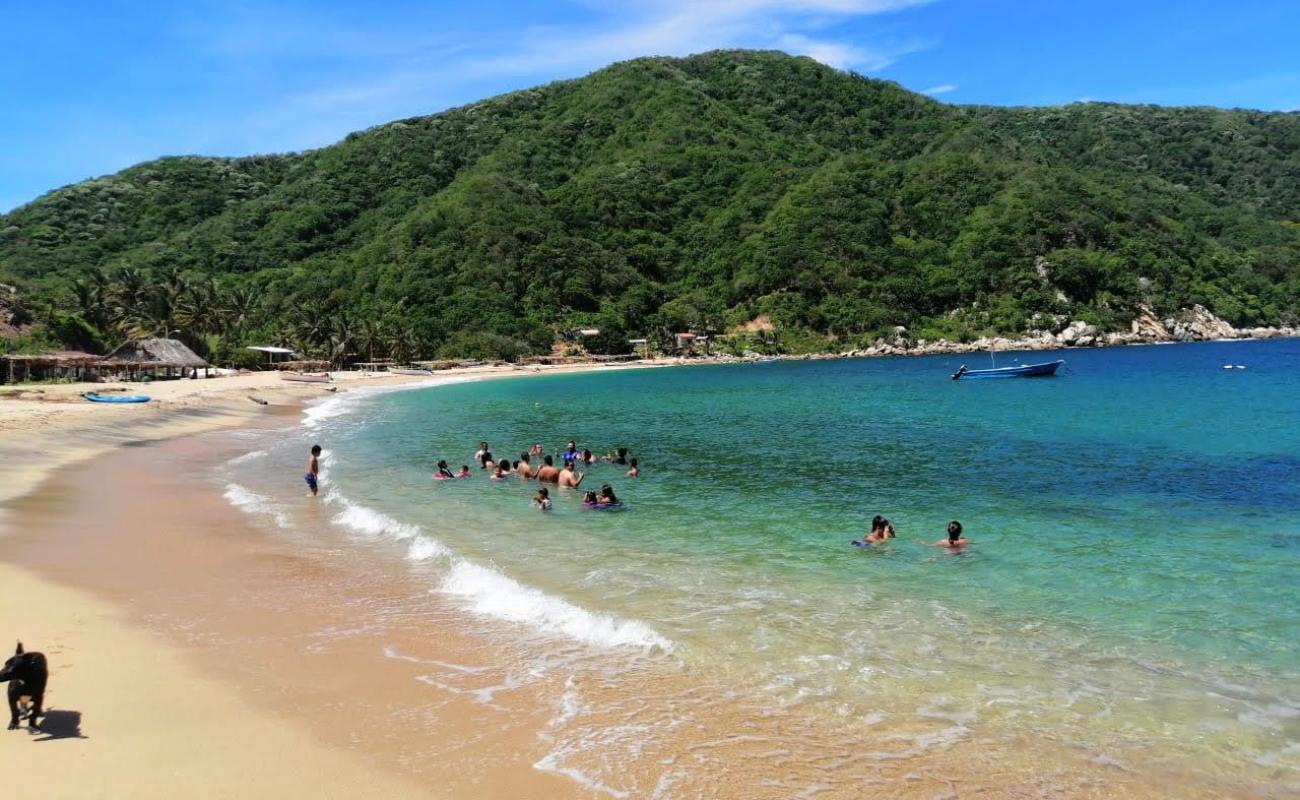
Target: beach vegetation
(664, 195)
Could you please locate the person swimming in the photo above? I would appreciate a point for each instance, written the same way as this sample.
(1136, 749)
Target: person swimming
(524, 467)
(570, 477)
(464, 471)
(543, 499)
(570, 453)
(607, 497)
(589, 499)
(634, 471)
(482, 448)
(498, 472)
(877, 534)
(547, 473)
(619, 456)
(444, 471)
(485, 460)
(588, 457)
(537, 449)
(504, 466)
(955, 540)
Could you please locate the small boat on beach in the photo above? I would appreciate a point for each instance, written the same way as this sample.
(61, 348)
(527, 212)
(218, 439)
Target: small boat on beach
(116, 398)
(306, 377)
(1044, 370)
(410, 371)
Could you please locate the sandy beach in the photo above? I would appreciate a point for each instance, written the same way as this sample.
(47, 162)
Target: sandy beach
(113, 681)
(194, 655)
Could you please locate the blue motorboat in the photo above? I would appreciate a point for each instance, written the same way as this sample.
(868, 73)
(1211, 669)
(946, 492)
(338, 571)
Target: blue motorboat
(116, 398)
(1045, 370)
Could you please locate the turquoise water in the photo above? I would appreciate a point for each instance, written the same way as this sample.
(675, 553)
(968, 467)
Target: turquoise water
(1137, 547)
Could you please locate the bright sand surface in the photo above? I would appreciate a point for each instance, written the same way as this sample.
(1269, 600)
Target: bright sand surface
(199, 656)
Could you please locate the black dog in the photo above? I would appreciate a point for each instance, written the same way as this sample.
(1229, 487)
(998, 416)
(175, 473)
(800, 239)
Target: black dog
(27, 674)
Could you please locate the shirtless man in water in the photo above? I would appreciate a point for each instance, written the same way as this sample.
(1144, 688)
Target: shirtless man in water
(567, 476)
(524, 468)
(547, 473)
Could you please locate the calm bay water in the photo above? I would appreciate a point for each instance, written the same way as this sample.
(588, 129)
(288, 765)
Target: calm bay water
(1137, 547)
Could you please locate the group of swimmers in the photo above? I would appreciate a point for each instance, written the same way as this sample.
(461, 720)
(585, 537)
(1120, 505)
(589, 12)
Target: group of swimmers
(882, 530)
(567, 476)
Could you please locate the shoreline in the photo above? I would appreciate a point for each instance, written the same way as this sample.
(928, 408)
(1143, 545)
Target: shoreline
(125, 625)
(131, 715)
(423, 694)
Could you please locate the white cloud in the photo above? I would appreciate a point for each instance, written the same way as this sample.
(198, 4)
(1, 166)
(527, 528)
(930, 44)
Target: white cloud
(943, 88)
(680, 27)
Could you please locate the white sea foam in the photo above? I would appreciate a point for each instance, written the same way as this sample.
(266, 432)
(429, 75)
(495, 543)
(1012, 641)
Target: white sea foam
(375, 523)
(253, 503)
(246, 457)
(424, 548)
(318, 412)
(244, 498)
(492, 594)
(551, 763)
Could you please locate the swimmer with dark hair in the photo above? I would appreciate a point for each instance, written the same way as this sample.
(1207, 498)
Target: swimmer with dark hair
(955, 540)
(543, 499)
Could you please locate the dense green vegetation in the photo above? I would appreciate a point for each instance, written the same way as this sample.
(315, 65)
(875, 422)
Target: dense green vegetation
(662, 194)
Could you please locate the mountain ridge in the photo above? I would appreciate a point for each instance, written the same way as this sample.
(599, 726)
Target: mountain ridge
(663, 193)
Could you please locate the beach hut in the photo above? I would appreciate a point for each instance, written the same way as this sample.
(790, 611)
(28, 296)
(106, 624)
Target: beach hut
(156, 357)
(62, 364)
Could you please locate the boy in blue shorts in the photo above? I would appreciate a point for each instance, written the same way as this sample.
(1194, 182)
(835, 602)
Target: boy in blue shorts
(313, 469)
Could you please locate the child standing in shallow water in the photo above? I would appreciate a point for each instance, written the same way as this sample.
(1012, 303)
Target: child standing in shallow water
(313, 470)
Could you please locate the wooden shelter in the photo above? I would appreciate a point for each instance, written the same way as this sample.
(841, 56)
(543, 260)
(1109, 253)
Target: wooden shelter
(156, 357)
(63, 364)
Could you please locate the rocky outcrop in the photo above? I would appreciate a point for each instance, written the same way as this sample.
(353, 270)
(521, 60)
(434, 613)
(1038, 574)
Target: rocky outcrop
(1197, 324)
(1147, 326)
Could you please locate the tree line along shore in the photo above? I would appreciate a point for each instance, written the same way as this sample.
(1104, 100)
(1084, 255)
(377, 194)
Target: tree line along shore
(764, 202)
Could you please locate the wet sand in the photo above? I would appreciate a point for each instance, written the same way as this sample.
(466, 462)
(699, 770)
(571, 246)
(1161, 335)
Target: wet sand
(278, 650)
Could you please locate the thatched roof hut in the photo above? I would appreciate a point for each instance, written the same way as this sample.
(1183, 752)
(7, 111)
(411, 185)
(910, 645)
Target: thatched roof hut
(45, 366)
(153, 355)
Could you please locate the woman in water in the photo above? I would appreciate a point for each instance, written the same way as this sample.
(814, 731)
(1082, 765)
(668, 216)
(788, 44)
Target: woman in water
(955, 540)
(589, 499)
(619, 456)
(877, 534)
(606, 496)
(464, 471)
(444, 471)
(485, 460)
(537, 449)
(543, 499)
(500, 471)
(634, 471)
(588, 457)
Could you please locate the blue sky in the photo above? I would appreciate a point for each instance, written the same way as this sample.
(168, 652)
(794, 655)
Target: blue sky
(90, 88)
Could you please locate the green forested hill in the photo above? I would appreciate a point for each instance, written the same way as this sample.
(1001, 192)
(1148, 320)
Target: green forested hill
(665, 193)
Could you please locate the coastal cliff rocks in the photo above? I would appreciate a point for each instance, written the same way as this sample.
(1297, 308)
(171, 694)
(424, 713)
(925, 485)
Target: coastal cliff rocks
(1078, 334)
(1199, 324)
(1147, 326)
(1053, 332)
